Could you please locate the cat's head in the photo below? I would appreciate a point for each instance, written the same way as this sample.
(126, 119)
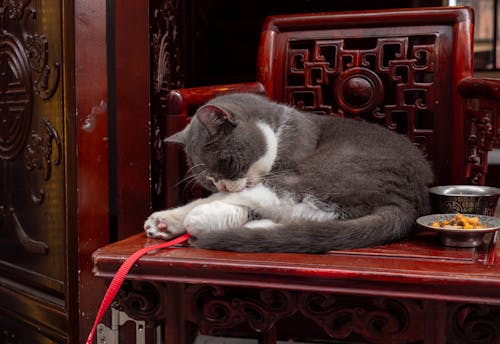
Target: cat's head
(227, 149)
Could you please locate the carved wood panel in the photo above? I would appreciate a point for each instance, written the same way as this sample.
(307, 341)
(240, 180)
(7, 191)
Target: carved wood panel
(32, 184)
(216, 310)
(395, 77)
(469, 323)
(386, 80)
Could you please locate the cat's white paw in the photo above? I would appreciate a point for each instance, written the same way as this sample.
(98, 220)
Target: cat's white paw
(214, 216)
(165, 224)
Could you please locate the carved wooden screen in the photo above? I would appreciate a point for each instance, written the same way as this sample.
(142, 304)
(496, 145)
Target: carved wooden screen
(390, 80)
(402, 75)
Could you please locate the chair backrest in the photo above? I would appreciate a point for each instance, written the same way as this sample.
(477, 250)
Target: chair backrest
(399, 68)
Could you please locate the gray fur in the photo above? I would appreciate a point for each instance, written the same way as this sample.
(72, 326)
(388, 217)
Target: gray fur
(375, 178)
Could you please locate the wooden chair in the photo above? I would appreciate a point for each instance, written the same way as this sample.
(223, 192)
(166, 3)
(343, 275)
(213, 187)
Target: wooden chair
(407, 69)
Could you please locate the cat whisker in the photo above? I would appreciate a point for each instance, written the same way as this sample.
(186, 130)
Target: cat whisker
(193, 167)
(186, 179)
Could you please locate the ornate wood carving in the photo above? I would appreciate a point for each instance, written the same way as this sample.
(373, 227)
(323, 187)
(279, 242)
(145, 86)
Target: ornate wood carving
(386, 80)
(142, 300)
(8, 337)
(167, 75)
(481, 135)
(38, 155)
(478, 324)
(376, 320)
(25, 74)
(215, 308)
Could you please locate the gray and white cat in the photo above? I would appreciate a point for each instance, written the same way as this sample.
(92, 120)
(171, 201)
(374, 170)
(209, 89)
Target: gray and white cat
(290, 181)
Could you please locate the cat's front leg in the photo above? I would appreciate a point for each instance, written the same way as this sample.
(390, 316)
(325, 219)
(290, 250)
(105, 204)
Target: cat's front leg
(165, 224)
(168, 224)
(216, 215)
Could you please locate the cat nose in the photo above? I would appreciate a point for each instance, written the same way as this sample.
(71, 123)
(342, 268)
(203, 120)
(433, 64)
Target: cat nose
(222, 187)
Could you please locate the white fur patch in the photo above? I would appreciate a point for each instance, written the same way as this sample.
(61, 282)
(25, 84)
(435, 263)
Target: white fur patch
(264, 165)
(255, 224)
(214, 216)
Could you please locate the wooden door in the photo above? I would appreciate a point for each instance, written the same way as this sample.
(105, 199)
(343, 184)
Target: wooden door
(35, 190)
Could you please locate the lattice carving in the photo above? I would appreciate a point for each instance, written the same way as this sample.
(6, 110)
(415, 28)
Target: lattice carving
(385, 80)
(478, 324)
(25, 74)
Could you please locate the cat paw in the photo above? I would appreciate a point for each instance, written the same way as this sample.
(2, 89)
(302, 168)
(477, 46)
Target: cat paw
(215, 216)
(164, 225)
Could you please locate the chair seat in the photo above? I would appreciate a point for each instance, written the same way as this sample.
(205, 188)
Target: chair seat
(417, 268)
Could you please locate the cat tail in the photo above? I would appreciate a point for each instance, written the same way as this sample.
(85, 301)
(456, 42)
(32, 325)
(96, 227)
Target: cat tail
(384, 225)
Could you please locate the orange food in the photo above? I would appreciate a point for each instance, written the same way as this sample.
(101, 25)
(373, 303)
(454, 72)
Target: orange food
(460, 221)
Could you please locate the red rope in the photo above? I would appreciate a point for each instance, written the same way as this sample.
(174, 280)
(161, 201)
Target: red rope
(119, 277)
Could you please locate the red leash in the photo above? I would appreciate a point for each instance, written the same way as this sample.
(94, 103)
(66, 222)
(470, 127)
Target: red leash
(117, 281)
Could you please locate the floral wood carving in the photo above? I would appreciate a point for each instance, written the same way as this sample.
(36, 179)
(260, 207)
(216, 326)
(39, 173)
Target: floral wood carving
(13, 9)
(38, 155)
(377, 320)
(142, 300)
(167, 75)
(25, 73)
(214, 308)
(474, 324)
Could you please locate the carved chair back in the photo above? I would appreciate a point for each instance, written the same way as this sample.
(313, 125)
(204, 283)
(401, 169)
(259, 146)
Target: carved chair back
(400, 68)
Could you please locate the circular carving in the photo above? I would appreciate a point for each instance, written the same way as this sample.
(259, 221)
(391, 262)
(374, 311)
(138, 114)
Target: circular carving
(478, 324)
(15, 97)
(358, 90)
(142, 300)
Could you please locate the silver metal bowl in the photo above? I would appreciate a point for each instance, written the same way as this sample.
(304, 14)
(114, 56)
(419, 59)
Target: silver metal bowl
(460, 237)
(465, 199)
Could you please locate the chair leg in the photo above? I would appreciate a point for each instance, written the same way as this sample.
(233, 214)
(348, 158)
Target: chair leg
(175, 322)
(268, 337)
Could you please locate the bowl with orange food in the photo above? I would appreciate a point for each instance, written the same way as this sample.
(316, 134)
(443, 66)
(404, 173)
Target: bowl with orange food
(460, 230)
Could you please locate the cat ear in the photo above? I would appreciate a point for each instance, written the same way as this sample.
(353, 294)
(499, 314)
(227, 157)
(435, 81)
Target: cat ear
(215, 119)
(179, 137)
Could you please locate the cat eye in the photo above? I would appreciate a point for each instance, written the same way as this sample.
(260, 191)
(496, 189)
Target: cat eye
(228, 167)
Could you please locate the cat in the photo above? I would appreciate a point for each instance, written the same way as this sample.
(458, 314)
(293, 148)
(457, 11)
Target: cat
(290, 181)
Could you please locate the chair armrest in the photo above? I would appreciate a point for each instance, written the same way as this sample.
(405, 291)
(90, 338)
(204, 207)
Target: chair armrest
(183, 101)
(480, 87)
(482, 100)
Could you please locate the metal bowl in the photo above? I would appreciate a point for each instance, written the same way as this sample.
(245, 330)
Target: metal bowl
(460, 237)
(465, 199)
